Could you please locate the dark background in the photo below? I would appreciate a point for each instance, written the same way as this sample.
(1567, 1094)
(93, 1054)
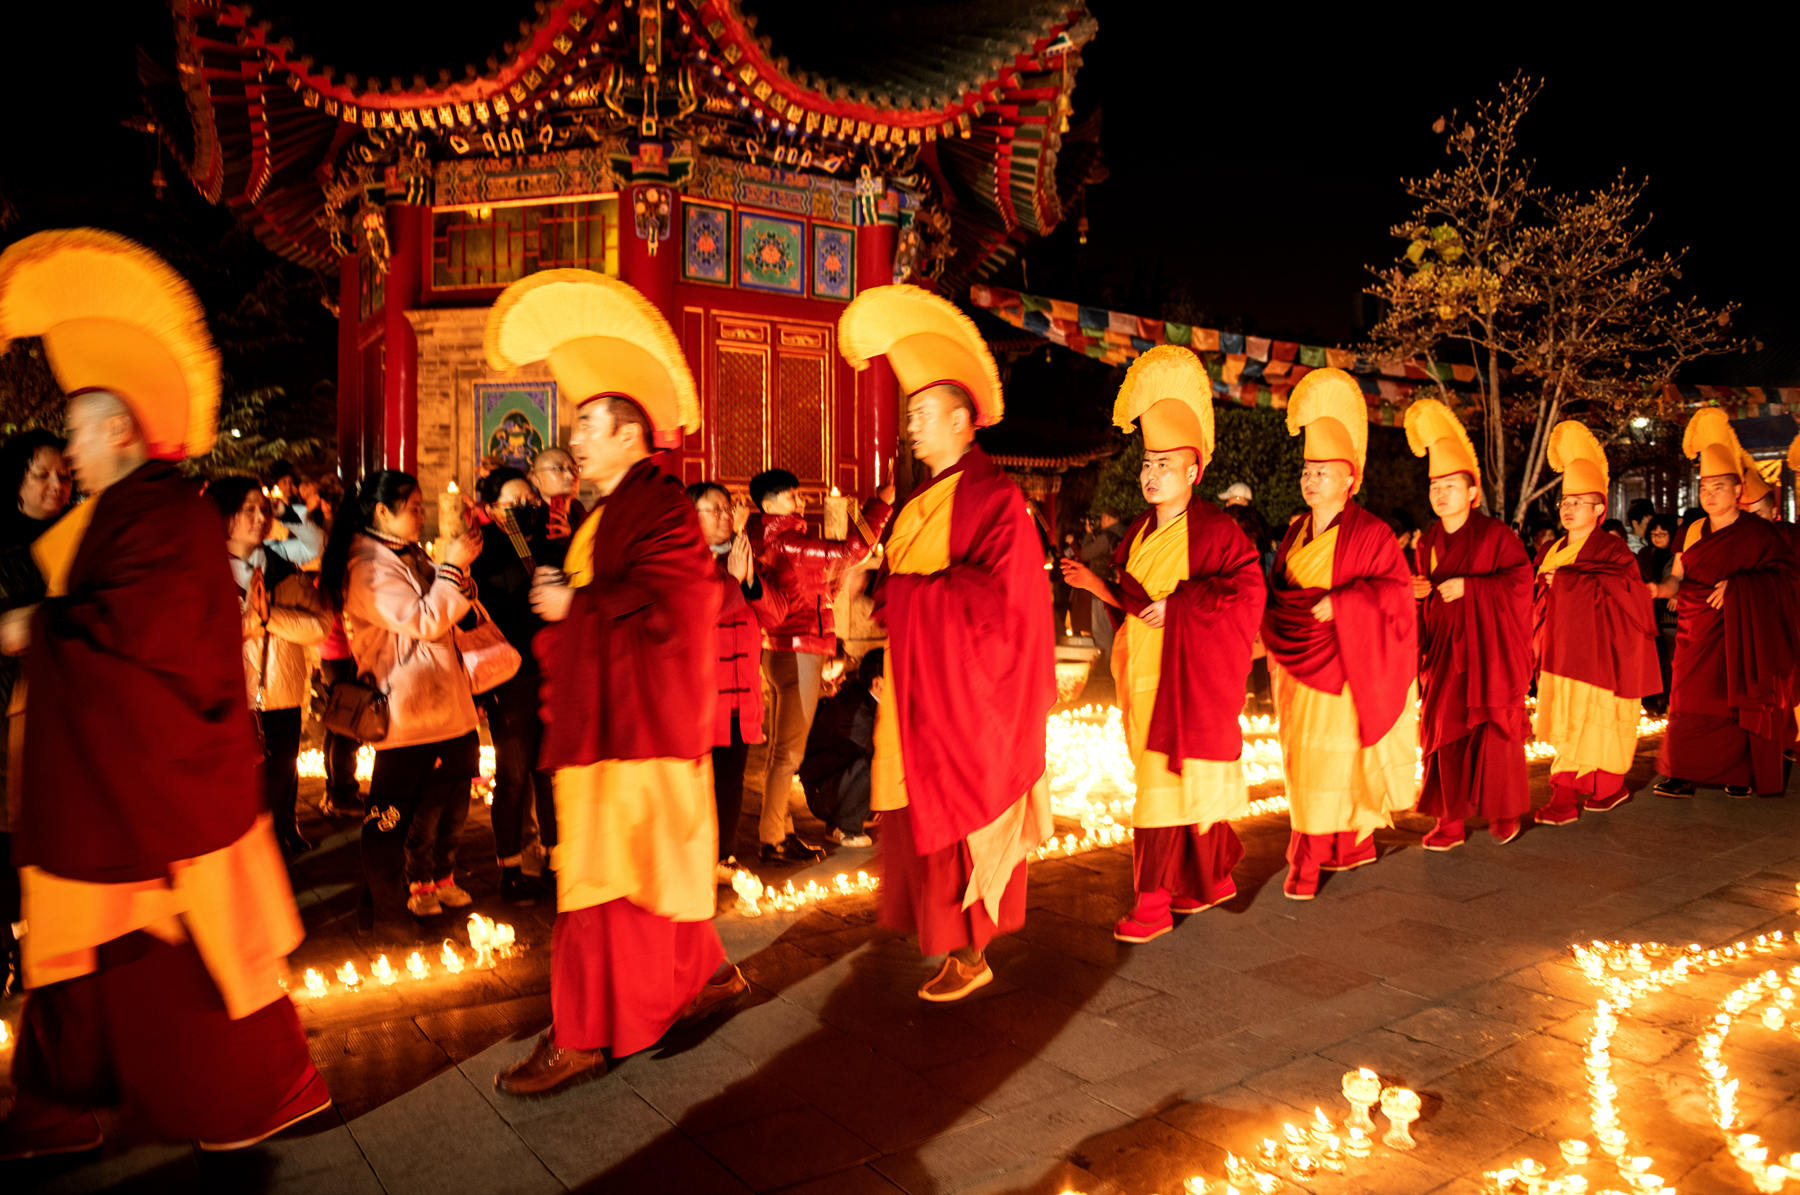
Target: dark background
(1253, 151)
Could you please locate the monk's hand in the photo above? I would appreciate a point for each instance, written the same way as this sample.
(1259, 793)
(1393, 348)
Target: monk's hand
(1451, 590)
(1154, 614)
(738, 562)
(15, 630)
(551, 596)
(1078, 575)
(1322, 609)
(1547, 576)
(1421, 587)
(1716, 599)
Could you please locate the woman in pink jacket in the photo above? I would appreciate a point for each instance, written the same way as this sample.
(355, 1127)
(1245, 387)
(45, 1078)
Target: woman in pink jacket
(400, 614)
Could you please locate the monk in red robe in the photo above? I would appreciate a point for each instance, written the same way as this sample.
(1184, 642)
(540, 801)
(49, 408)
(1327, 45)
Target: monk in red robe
(628, 660)
(1342, 637)
(958, 771)
(1594, 638)
(1731, 699)
(158, 907)
(1187, 604)
(1474, 588)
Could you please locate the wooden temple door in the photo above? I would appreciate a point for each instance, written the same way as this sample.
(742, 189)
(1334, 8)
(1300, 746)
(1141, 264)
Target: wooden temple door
(768, 399)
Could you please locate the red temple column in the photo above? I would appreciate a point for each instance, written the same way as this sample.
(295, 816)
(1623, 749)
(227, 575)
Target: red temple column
(877, 390)
(400, 389)
(349, 384)
(647, 252)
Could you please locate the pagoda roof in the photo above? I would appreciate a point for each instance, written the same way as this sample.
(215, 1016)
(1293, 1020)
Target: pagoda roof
(965, 98)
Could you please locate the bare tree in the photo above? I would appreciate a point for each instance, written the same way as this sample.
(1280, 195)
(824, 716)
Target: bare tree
(1551, 298)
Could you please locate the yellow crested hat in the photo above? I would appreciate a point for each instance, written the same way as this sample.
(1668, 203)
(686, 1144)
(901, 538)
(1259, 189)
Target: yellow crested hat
(926, 340)
(1577, 455)
(1432, 427)
(601, 339)
(114, 316)
(1330, 406)
(1756, 486)
(1709, 436)
(1167, 391)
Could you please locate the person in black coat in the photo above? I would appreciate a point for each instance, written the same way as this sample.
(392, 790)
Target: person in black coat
(503, 583)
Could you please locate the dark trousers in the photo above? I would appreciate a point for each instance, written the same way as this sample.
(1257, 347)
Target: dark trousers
(340, 749)
(281, 747)
(418, 802)
(842, 800)
(728, 788)
(519, 784)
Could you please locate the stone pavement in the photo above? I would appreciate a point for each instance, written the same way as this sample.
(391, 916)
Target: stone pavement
(1087, 1065)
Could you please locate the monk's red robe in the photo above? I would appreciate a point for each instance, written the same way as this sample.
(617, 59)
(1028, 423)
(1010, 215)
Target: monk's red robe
(1372, 639)
(1731, 698)
(1475, 673)
(1210, 622)
(972, 684)
(628, 693)
(141, 826)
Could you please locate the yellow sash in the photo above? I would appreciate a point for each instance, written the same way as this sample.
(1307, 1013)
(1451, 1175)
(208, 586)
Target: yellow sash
(578, 564)
(55, 549)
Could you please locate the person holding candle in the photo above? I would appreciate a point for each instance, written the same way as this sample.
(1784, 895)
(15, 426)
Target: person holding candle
(958, 771)
(158, 909)
(1342, 638)
(628, 653)
(1594, 638)
(1474, 590)
(1731, 702)
(1188, 600)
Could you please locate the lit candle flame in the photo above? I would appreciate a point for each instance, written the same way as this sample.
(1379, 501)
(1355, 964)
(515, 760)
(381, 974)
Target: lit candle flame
(415, 966)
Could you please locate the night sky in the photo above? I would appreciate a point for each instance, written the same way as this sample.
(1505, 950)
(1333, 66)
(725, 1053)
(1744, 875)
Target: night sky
(1253, 152)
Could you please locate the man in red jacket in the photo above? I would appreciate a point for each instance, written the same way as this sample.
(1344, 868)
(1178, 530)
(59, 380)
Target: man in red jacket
(804, 571)
(158, 908)
(628, 655)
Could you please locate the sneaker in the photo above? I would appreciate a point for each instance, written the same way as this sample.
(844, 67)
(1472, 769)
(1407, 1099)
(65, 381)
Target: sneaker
(791, 850)
(851, 840)
(1445, 836)
(1674, 788)
(1505, 829)
(727, 870)
(340, 807)
(1740, 791)
(452, 897)
(1603, 804)
(1185, 905)
(1130, 929)
(423, 901)
(956, 980)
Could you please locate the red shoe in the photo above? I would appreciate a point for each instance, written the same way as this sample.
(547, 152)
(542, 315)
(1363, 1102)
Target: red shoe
(1602, 804)
(1188, 904)
(1445, 836)
(1505, 829)
(309, 1100)
(1359, 856)
(46, 1131)
(1130, 929)
(1558, 812)
(1300, 887)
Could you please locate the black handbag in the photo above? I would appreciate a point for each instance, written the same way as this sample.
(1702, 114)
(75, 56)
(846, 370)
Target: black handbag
(356, 709)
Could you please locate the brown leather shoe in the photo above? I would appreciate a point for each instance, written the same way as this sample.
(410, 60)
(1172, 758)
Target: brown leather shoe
(550, 1069)
(956, 980)
(716, 999)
